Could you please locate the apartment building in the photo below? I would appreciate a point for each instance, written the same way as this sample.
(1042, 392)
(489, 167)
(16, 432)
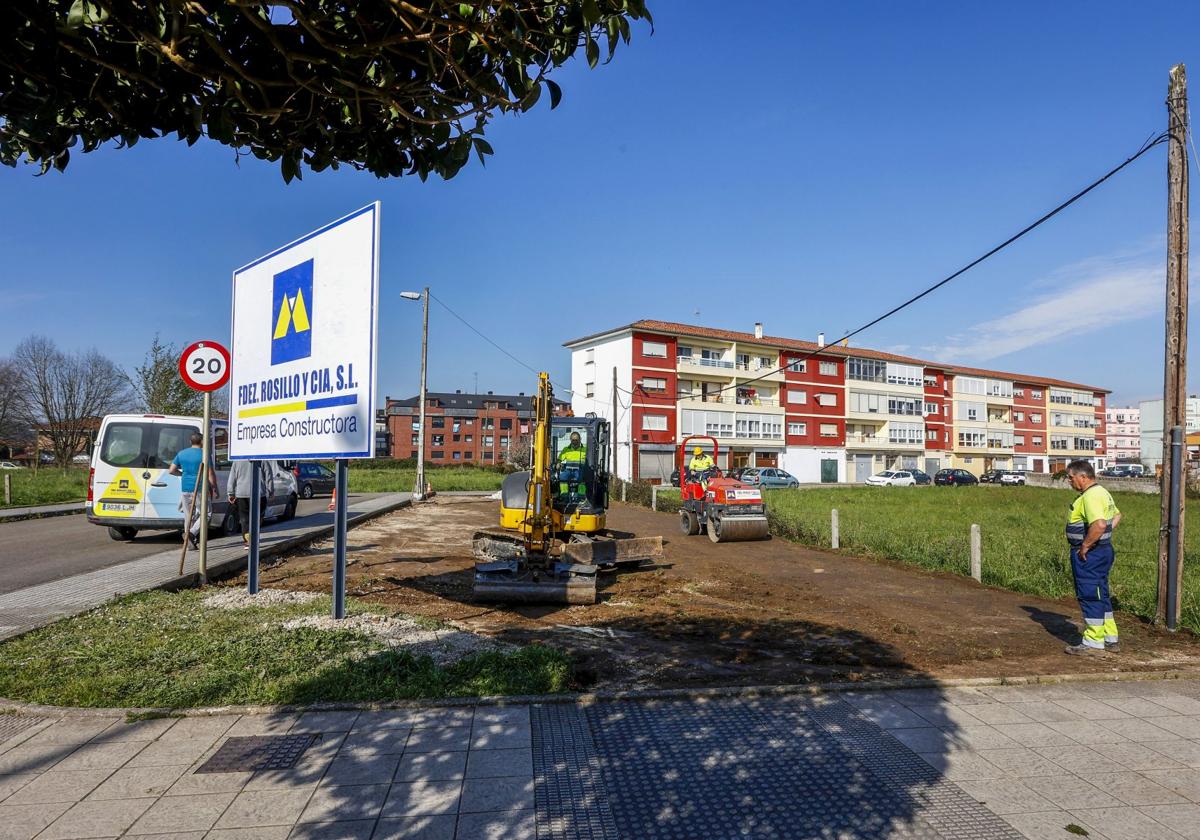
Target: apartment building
(463, 428)
(824, 413)
(1125, 434)
(1151, 419)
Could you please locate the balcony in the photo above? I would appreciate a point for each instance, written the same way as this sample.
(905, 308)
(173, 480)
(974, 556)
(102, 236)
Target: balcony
(729, 398)
(697, 361)
(861, 441)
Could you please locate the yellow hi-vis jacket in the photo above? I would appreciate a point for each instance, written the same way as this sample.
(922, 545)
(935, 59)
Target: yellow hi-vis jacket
(700, 463)
(573, 455)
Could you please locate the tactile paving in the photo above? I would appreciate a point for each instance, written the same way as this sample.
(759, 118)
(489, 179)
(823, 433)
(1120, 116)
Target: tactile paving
(257, 752)
(569, 796)
(13, 725)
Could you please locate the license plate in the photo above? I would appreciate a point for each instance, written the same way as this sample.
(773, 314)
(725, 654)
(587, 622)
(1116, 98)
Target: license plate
(116, 508)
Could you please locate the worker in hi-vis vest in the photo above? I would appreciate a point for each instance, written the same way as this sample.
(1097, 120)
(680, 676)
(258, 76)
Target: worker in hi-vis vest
(1091, 519)
(573, 457)
(700, 466)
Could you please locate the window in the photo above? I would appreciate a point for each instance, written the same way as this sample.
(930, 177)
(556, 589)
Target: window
(487, 442)
(904, 374)
(826, 399)
(765, 362)
(999, 388)
(439, 440)
(1036, 440)
(468, 438)
(797, 428)
(1059, 442)
(589, 390)
(799, 366)
(654, 422)
(655, 348)
(829, 430)
(865, 403)
(968, 385)
(590, 357)
(971, 439)
(438, 422)
(905, 432)
(1018, 416)
(437, 455)
(1035, 418)
(416, 425)
(930, 380)
(1019, 440)
(931, 408)
(653, 384)
(867, 370)
(905, 406)
(504, 443)
(796, 397)
(416, 440)
(1036, 395)
(1018, 392)
(969, 410)
(456, 437)
(457, 427)
(743, 361)
(457, 456)
(505, 422)
(683, 351)
(931, 434)
(829, 368)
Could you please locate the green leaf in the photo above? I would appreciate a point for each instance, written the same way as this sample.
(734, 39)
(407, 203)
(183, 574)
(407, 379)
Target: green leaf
(85, 13)
(555, 93)
(593, 52)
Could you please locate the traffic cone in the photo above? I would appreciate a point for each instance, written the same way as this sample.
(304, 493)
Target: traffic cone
(333, 500)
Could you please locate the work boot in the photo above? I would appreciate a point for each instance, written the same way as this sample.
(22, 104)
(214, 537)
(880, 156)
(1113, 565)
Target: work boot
(1083, 650)
(1112, 647)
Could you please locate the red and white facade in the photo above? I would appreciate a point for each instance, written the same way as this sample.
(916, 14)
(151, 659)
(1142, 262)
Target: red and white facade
(831, 414)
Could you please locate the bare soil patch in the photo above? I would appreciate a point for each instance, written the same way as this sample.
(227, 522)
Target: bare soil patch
(759, 613)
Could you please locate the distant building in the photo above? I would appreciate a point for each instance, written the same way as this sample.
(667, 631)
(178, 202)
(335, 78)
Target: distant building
(1152, 428)
(1124, 434)
(463, 428)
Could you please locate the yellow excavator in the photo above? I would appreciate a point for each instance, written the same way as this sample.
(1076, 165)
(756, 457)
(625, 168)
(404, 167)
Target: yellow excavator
(553, 538)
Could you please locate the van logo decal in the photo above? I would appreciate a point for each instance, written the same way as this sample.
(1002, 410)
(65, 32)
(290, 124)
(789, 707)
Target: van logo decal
(291, 314)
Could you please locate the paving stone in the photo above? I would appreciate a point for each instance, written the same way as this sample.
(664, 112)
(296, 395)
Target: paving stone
(137, 782)
(11, 783)
(506, 793)
(966, 696)
(96, 819)
(1184, 782)
(325, 722)
(200, 728)
(893, 716)
(918, 696)
(436, 766)
(422, 798)
(1180, 750)
(34, 758)
(361, 769)
(963, 765)
(1021, 762)
(1044, 711)
(304, 776)
(502, 716)
(1181, 725)
(262, 832)
(416, 828)
(169, 751)
(1012, 693)
(59, 786)
(101, 756)
(1000, 713)
(981, 736)
(1050, 825)
(1033, 735)
(383, 719)
(1184, 820)
(1135, 789)
(502, 737)
(251, 809)
(925, 739)
(383, 741)
(1140, 707)
(1136, 729)
(489, 764)
(275, 724)
(71, 731)
(1086, 732)
(945, 715)
(433, 740)
(138, 730)
(1136, 756)
(436, 718)
(1072, 793)
(182, 813)
(1006, 796)
(191, 783)
(345, 802)
(22, 822)
(1125, 824)
(1093, 709)
(513, 825)
(343, 830)
(16, 729)
(1083, 761)
(1179, 703)
(171, 835)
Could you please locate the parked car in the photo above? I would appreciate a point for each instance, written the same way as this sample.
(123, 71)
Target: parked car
(768, 477)
(9, 465)
(921, 477)
(675, 477)
(313, 479)
(1012, 477)
(990, 476)
(892, 478)
(954, 478)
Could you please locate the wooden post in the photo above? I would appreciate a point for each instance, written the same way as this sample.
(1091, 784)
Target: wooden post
(1175, 374)
(623, 486)
(976, 554)
(653, 497)
(834, 537)
(7, 489)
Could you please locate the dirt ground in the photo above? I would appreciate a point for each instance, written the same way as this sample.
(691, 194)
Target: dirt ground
(754, 613)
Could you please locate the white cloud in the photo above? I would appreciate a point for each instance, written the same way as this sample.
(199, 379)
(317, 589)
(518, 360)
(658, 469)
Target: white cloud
(1101, 292)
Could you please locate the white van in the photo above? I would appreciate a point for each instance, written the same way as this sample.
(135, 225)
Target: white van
(131, 490)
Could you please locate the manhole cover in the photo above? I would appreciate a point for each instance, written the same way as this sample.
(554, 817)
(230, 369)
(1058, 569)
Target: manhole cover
(257, 752)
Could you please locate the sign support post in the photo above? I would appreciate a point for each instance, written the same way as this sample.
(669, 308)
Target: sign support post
(339, 541)
(203, 366)
(255, 525)
(204, 478)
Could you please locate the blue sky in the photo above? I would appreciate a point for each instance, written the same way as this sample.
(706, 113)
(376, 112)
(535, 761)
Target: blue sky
(808, 165)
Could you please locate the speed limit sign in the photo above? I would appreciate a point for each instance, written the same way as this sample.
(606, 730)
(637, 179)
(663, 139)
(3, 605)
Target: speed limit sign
(204, 365)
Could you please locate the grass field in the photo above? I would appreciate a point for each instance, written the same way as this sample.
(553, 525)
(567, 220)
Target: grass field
(169, 649)
(52, 486)
(381, 480)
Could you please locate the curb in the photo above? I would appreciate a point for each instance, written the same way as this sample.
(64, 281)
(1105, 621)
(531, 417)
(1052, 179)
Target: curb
(596, 697)
(36, 514)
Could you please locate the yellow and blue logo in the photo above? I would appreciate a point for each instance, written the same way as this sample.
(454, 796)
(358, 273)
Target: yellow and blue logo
(292, 310)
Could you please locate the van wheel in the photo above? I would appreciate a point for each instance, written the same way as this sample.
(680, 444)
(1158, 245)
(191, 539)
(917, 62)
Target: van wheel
(306, 491)
(122, 533)
(229, 525)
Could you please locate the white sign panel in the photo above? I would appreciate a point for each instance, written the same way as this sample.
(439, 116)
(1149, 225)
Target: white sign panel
(304, 324)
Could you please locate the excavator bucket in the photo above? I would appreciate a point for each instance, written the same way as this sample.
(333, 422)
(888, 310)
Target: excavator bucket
(607, 553)
(738, 529)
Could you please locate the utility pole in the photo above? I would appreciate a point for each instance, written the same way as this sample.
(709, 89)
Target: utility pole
(612, 438)
(419, 484)
(1170, 548)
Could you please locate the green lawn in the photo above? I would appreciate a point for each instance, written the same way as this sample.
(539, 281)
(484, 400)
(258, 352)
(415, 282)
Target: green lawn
(51, 486)
(386, 480)
(1022, 528)
(168, 649)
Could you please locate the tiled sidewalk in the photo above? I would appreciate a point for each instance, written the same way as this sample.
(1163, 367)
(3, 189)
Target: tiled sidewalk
(1120, 761)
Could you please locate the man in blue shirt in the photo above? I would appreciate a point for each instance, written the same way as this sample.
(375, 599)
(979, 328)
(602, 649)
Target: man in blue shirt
(187, 465)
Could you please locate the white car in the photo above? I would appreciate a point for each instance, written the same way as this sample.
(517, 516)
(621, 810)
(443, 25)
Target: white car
(892, 478)
(1009, 477)
(9, 465)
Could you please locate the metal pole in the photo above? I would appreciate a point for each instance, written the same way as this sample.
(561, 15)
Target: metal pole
(654, 497)
(419, 486)
(834, 531)
(1175, 532)
(255, 525)
(203, 478)
(339, 542)
(976, 554)
(613, 436)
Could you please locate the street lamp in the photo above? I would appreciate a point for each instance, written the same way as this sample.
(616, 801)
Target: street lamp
(419, 484)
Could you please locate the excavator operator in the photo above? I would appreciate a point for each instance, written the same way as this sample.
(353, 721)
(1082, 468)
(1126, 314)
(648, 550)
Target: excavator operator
(571, 461)
(701, 467)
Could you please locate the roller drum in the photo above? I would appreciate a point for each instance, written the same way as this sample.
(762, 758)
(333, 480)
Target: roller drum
(738, 529)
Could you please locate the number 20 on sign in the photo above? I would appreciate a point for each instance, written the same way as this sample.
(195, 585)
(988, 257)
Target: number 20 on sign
(204, 365)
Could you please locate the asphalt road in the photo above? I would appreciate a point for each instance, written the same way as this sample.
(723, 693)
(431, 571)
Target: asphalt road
(36, 551)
